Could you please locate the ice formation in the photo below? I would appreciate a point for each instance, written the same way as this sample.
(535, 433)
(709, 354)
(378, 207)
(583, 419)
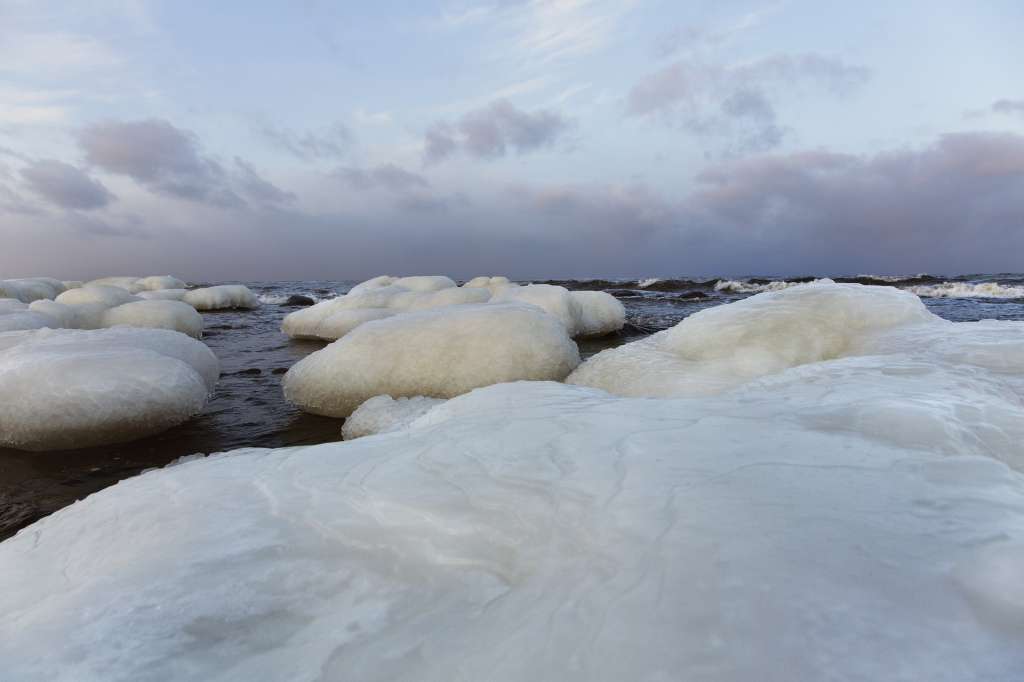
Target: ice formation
(718, 348)
(79, 389)
(156, 314)
(163, 294)
(102, 294)
(582, 312)
(221, 297)
(802, 529)
(438, 353)
(383, 413)
(31, 289)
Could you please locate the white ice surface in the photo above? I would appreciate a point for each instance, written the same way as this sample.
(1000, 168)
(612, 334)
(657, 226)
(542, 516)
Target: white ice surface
(383, 413)
(538, 531)
(439, 353)
(156, 314)
(30, 289)
(102, 294)
(221, 297)
(83, 388)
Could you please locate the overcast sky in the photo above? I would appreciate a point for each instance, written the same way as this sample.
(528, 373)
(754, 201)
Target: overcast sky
(340, 140)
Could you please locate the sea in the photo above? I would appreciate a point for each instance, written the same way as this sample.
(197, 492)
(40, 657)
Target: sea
(249, 410)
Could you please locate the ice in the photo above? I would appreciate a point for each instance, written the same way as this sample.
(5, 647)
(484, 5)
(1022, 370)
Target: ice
(12, 305)
(103, 294)
(438, 353)
(84, 388)
(383, 413)
(718, 348)
(18, 320)
(968, 290)
(129, 284)
(221, 297)
(163, 295)
(492, 284)
(541, 531)
(600, 313)
(156, 314)
(31, 289)
(584, 313)
(75, 316)
(158, 282)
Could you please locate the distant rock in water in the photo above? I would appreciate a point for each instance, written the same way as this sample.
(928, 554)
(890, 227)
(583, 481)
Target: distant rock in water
(297, 300)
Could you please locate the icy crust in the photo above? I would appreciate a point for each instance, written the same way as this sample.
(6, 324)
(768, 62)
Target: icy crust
(221, 297)
(156, 314)
(582, 313)
(101, 294)
(437, 353)
(84, 388)
(718, 348)
(538, 531)
(136, 285)
(383, 413)
(30, 289)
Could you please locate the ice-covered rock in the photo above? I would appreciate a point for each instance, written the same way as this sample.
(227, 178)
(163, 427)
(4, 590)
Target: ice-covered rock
(600, 313)
(102, 294)
(383, 413)
(718, 348)
(539, 531)
(30, 289)
(158, 282)
(221, 297)
(438, 353)
(129, 284)
(163, 295)
(584, 313)
(492, 284)
(18, 320)
(78, 389)
(156, 314)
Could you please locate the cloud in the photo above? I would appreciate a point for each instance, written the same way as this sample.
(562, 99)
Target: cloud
(1009, 106)
(65, 186)
(491, 131)
(34, 53)
(254, 186)
(733, 100)
(330, 143)
(387, 176)
(169, 160)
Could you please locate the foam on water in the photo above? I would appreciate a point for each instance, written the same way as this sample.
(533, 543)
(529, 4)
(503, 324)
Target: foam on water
(968, 290)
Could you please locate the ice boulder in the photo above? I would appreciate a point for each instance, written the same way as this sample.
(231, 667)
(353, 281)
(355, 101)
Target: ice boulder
(102, 294)
(158, 282)
(383, 413)
(584, 313)
(718, 348)
(18, 320)
(538, 531)
(220, 297)
(437, 353)
(74, 316)
(331, 319)
(163, 294)
(12, 305)
(156, 314)
(30, 289)
(414, 283)
(129, 284)
(492, 284)
(78, 389)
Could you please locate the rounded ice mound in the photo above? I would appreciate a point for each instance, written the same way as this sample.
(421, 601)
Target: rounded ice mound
(163, 294)
(438, 353)
(718, 348)
(331, 319)
(19, 320)
(156, 314)
(77, 316)
(80, 389)
(12, 305)
(383, 413)
(221, 297)
(158, 282)
(30, 289)
(492, 284)
(584, 313)
(102, 294)
(129, 284)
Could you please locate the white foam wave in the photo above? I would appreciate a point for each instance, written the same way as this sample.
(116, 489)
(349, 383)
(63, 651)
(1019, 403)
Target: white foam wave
(967, 290)
(733, 286)
(644, 283)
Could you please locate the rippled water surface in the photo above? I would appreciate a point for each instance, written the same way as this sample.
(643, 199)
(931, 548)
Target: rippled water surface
(249, 409)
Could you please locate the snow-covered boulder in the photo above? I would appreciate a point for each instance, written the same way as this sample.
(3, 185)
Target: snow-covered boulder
(807, 528)
(438, 353)
(383, 413)
(30, 289)
(79, 389)
(584, 313)
(718, 348)
(156, 314)
(221, 297)
(101, 294)
(162, 295)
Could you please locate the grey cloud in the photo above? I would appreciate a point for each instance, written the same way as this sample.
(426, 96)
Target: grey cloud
(732, 101)
(492, 131)
(254, 186)
(158, 156)
(331, 143)
(1009, 106)
(387, 176)
(65, 186)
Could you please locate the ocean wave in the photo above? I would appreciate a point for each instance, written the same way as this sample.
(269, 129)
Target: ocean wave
(733, 286)
(967, 290)
(644, 283)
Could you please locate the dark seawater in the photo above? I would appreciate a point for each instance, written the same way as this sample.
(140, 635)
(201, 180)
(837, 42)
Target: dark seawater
(249, 410)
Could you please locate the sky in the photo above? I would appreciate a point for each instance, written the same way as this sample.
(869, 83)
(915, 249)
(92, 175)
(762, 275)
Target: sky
(531, 138)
